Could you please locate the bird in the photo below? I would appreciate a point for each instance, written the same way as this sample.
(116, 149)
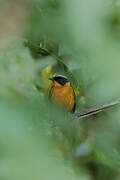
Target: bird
(62, 92)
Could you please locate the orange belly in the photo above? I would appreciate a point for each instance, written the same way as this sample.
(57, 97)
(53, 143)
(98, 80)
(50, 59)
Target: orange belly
(64, 96)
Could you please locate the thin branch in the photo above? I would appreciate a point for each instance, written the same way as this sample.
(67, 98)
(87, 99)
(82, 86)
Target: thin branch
(96, 109)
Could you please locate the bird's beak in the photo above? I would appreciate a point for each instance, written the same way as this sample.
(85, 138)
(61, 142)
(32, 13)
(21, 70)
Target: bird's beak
(51, 79)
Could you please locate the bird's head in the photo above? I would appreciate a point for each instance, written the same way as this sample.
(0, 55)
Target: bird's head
(60, 79)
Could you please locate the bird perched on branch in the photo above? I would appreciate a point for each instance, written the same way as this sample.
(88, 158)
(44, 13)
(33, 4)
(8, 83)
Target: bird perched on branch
(62, 93)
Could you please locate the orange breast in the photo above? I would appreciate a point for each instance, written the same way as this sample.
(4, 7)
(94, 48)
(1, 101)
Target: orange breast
(64, 95)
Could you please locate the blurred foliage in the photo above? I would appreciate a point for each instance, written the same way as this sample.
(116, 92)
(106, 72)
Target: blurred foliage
(79, 39)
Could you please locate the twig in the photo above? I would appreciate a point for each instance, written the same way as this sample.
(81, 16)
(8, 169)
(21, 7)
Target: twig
(96, 109)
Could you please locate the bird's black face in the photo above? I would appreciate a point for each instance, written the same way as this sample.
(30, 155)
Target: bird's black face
(62, 80)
